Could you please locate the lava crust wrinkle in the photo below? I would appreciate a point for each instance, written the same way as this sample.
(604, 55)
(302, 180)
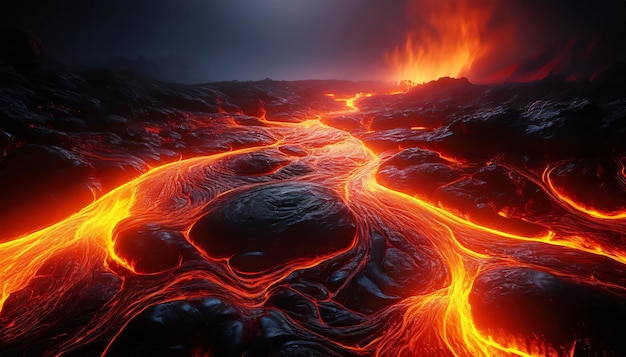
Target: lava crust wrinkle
(435, 222)
(270, 225)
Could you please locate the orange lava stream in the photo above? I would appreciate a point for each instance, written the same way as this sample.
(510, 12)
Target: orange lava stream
(23, 257)
(435, 320)
(349, 102)
(576, 205)
(448, 311)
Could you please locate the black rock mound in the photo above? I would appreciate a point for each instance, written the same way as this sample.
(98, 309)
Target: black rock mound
(267, 226)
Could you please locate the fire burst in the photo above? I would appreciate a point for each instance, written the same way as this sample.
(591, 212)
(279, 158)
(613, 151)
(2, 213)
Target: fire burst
(446, 46)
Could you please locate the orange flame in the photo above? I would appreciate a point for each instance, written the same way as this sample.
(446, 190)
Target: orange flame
(446, 45)
(482, 40)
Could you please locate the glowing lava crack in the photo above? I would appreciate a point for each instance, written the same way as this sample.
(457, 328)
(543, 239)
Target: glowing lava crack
(295, 248)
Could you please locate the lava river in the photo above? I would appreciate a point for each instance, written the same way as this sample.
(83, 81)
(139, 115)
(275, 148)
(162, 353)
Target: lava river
(305, 247)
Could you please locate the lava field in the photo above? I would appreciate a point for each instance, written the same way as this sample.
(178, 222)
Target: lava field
(309, 218)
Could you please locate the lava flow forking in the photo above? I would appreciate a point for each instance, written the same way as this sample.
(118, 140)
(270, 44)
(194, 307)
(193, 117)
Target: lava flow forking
(95, 266)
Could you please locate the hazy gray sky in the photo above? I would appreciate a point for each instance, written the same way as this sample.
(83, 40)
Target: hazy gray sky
(291, 39)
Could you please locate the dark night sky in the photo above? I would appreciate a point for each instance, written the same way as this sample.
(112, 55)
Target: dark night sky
(296, 39)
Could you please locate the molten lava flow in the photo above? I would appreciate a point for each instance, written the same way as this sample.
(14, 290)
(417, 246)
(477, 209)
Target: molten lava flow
(593, 212)
(445, 44)
(349, 102)
(216, 216)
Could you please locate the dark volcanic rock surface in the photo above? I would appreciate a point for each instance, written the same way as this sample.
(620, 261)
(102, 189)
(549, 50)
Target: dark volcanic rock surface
(278, 261)
(537, 303)
(270, 225)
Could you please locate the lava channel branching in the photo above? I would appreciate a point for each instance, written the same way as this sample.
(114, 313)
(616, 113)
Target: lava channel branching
(301, 247)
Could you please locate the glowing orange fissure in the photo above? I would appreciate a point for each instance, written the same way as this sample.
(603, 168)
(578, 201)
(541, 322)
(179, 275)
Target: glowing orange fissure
(590, 211)
(348, 101)
(341, 162)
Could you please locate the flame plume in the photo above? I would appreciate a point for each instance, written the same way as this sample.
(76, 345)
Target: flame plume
(445, 44)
